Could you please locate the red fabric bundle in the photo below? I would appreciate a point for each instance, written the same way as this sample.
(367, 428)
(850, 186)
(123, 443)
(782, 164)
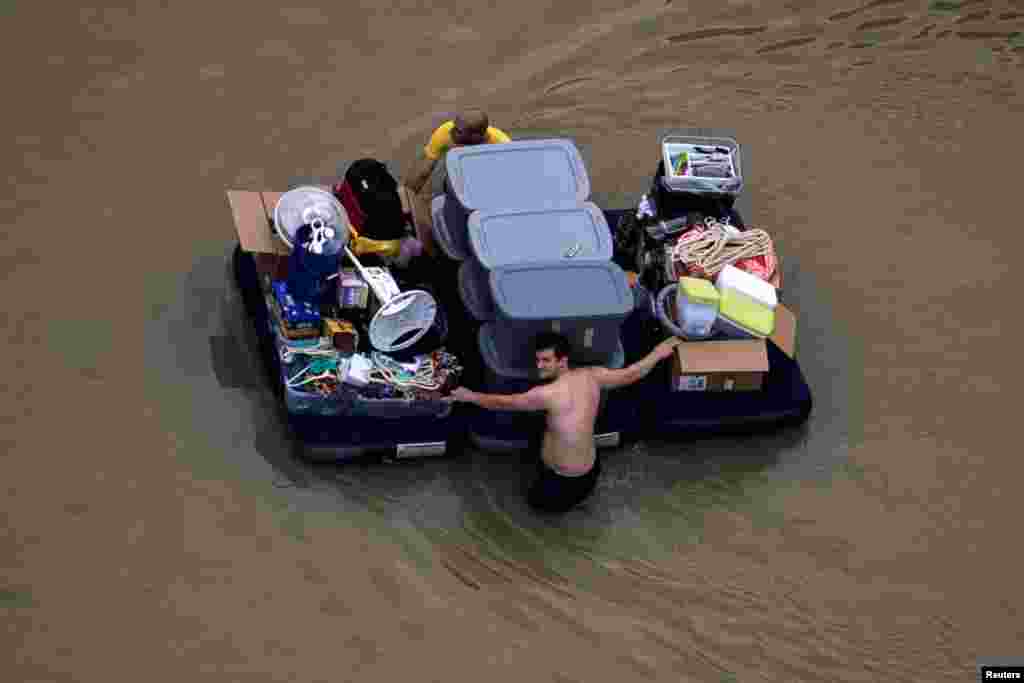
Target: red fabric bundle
(356, 216)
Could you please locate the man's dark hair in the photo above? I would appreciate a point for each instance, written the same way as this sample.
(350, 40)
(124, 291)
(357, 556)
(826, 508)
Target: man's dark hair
(554, 341)
(472, 119)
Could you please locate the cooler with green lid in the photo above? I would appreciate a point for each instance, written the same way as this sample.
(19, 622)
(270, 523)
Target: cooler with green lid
(587, 302)
(696, 307)
(742, 317)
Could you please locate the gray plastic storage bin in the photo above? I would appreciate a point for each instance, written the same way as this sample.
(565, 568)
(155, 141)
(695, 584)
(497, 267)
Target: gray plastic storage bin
(587, 302)
(502, 377)
(508, 237)
(475, 290)
(454, 245)
(527, 173)
(673, 145)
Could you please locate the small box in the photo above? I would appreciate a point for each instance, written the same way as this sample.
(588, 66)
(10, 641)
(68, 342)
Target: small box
(696, 307)
(353, 290)
(731, 365)
(295, 312)
(290, 332)
(342, 334)
(740, 317)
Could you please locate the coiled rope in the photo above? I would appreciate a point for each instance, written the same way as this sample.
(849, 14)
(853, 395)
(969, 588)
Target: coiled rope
(707, 250)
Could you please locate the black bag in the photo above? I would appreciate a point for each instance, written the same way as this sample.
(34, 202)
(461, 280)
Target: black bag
(377, 192)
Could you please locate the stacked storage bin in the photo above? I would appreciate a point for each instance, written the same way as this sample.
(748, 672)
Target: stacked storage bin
(535, 255)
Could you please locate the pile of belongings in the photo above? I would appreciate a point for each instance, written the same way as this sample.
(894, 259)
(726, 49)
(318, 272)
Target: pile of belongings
(323, 355)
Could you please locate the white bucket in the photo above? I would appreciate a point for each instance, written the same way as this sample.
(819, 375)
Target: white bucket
(695, 319)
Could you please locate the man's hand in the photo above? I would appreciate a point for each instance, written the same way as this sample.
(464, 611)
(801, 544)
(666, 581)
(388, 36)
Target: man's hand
(665, 348)
(611, 379)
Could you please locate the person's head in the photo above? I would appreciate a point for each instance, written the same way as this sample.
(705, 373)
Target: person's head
(470, 127)
(552, 353)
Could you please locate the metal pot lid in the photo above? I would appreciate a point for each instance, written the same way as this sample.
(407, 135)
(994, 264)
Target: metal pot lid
(312, 206)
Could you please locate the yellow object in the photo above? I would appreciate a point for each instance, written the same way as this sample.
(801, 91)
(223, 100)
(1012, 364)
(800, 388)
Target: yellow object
(342, 333)
(698, 291)
(746, 313)
(441, 140)
(364, 245)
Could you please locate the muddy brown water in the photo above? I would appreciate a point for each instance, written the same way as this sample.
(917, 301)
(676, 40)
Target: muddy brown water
(157, 526)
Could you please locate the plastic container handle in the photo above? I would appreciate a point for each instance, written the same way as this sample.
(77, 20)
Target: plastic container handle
(661, 312)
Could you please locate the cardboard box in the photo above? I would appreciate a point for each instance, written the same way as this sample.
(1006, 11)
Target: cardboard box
(731, 365)
(417, 206)
(784, 335)
(254, 222)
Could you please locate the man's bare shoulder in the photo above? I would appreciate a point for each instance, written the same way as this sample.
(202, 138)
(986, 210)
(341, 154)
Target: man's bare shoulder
(590, 372)
(586, 375)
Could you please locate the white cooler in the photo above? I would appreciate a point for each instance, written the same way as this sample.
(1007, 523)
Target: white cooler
(752, 286)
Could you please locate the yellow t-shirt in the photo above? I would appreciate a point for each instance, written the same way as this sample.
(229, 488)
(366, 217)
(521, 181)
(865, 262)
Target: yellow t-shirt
(441, 140)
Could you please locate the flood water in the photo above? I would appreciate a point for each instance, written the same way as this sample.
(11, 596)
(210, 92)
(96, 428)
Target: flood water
(158, 526)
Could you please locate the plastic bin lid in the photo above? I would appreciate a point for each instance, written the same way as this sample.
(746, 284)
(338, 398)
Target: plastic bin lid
(698, 290)
(572, 231)
(513, 174)
(558, 291)
(747, 313)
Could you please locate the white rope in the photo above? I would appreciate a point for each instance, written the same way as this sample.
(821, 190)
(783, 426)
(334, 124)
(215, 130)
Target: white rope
(719, 245)
(388, 371)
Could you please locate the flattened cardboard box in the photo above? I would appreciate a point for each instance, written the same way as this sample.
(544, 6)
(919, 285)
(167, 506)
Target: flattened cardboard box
(730, 365)
(784, 335)
(254, 221)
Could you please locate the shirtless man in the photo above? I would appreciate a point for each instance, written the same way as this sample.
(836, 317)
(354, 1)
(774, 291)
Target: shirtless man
(569, 465)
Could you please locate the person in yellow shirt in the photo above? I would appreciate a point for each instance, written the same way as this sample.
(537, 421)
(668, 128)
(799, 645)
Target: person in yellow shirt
(471, 127)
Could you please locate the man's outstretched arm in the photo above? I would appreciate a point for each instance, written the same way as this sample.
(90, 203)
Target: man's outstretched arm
(534, 399)
(610, 379)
